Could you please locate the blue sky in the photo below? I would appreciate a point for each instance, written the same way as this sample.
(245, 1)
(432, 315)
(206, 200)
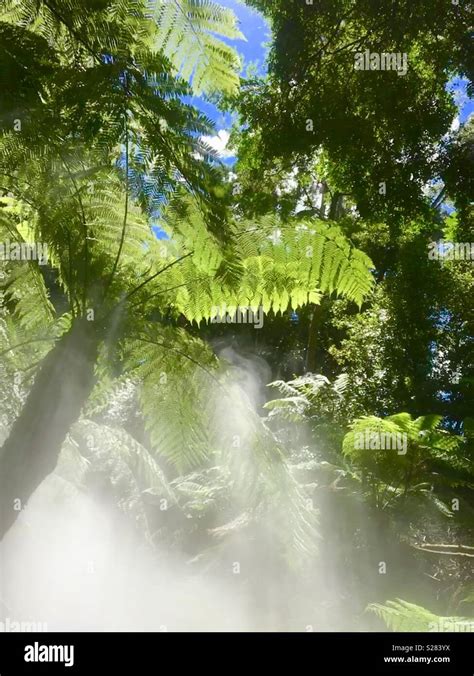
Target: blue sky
(464, 103)
(256, 30)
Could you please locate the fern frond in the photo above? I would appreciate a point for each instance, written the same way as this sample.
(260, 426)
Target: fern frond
(187, 31)
(402, 616)
(121, 446)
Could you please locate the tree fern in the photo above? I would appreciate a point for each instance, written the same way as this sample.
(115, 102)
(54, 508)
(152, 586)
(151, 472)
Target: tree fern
(394, 473)
(84, 168)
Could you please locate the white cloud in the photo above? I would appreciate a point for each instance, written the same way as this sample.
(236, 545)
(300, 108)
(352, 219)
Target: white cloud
(455, 124)
(219, 143)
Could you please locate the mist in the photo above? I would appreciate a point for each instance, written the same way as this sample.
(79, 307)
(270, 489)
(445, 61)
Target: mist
(69, 564)
(73, 562)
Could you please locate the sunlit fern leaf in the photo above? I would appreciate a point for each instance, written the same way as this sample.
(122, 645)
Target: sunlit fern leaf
(267, 270)
(188, 31)
(372, 427)
(281, 251)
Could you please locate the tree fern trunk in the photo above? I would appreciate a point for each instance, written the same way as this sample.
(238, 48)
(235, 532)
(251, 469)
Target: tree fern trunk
(54, 403)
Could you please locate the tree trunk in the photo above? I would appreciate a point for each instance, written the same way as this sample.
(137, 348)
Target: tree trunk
(311, 348)
(54, 403)
(336, 206)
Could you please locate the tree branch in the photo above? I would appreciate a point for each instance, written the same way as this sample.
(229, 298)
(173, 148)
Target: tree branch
(446, 550)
